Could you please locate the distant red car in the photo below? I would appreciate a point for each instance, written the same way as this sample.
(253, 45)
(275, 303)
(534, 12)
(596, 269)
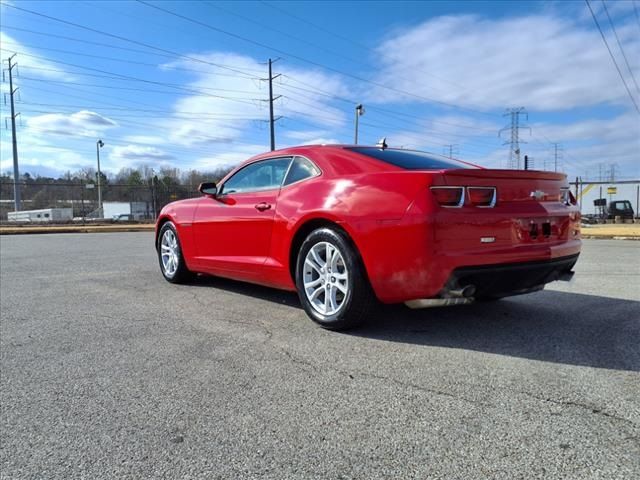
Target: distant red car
(346, 226)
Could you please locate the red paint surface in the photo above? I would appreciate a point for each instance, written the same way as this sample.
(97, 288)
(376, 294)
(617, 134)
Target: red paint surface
(408, 243)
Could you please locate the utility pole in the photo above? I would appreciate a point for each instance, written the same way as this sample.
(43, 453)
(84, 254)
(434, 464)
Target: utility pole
(272, 120)
(612, 172)
(514, 142)
(99, 145)
(16, 171)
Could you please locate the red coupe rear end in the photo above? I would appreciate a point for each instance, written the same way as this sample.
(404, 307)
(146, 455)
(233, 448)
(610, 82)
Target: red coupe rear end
(348, 225)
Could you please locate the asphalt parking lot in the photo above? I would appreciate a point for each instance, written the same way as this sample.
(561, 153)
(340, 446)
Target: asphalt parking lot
(108, 371)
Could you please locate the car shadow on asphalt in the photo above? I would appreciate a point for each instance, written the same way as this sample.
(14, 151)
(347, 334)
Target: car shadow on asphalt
(551, 326)
(281, 297)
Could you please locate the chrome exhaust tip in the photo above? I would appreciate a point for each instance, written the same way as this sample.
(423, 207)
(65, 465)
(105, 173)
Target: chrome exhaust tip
(464, 292)
(566, 276)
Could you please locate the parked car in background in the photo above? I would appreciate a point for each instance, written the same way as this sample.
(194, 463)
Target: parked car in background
(349, 226)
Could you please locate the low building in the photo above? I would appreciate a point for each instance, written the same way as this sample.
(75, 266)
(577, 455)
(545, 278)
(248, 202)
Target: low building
(42, 215)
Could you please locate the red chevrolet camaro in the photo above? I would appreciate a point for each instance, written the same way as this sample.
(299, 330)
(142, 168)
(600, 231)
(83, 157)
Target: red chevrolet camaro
(348, 226)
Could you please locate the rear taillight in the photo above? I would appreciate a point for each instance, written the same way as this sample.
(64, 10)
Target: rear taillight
(567, 197)
(448, 196)
(482, 196)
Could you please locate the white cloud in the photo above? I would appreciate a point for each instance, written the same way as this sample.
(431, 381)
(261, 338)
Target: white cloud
(139, 153)
(82, 123)
(146, 139)
(229, 106)
(29, 61)
(229, 158)
(541, 61)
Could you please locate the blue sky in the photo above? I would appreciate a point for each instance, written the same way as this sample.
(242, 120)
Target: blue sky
(179, 84)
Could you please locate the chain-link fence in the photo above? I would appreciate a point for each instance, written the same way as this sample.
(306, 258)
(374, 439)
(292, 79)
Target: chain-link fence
(123, 202)
(603, 201)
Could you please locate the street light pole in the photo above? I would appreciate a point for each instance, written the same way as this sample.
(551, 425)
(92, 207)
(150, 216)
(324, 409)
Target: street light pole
(359, 112)
(99, 145)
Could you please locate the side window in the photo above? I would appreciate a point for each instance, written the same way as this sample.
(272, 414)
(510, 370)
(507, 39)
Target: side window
(301, 168)
(263, 175)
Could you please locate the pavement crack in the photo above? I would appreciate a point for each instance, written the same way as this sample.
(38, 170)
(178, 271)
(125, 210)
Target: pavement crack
(570, 403)
(309, 366)
(267, 332)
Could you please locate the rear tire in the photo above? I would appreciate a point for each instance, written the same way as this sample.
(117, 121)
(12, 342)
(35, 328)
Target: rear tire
(331, 281)
(172, 264)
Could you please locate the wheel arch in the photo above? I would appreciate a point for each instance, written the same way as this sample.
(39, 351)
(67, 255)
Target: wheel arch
(159, 224)
(305, 228)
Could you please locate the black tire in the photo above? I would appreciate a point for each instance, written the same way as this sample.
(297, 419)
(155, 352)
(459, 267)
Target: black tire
(359, 301)
(181, 273)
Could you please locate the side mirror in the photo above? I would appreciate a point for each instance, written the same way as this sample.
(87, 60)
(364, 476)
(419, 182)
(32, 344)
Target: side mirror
(208, 188)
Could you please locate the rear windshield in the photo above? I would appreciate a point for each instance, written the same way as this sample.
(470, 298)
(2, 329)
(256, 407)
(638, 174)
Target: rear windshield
(410, 159)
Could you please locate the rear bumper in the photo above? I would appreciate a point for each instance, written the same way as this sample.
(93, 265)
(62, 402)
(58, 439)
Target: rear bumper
(510, 279)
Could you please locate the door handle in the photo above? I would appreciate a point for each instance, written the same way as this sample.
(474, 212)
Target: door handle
(263, 206)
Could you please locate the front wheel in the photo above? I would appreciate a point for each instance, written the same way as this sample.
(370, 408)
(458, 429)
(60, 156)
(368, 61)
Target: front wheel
(331, 281)
(172, 264)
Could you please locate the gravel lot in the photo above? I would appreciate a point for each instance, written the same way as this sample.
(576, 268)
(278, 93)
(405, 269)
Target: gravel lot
(108, 371)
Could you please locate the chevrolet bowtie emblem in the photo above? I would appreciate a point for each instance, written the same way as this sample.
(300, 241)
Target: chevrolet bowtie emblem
(538, 194)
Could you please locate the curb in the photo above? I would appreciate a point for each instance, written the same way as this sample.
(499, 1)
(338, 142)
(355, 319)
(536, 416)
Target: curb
(76, 229)
(609, 237)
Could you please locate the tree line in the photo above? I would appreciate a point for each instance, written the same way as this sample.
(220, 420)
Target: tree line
(77, 189)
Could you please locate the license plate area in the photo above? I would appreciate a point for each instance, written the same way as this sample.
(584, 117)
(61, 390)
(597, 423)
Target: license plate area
(540, 229)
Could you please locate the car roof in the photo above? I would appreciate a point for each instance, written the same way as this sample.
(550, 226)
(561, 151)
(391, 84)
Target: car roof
(339, 146)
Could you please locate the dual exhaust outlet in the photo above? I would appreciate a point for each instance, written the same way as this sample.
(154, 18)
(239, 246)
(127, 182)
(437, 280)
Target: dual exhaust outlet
(456, 296)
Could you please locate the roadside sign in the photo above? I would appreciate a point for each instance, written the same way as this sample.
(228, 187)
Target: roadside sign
(89, 185)
(612, 190)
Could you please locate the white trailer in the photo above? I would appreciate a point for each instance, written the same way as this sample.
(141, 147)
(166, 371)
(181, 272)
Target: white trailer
(42, 215)
(116, 210)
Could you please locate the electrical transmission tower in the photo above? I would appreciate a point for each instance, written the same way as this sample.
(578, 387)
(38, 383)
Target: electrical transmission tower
(514, 142)
(450, 150)
(16, 171)
(557, 155)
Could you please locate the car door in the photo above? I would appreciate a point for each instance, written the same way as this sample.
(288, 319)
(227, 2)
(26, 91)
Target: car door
(232, 231)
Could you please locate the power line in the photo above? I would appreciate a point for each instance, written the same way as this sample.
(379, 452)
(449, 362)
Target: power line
(121, 60)
(127, 108)
(604, 39)
(134, 50)
(136, 79)
(620, 45)
(124, 39)
(311, 62)
(350, 40)
(177, 115)
(117, 87)
(299, 39)
(381, 109)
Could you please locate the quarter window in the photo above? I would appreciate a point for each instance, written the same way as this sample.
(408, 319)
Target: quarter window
(263, 175)
(301, 168)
